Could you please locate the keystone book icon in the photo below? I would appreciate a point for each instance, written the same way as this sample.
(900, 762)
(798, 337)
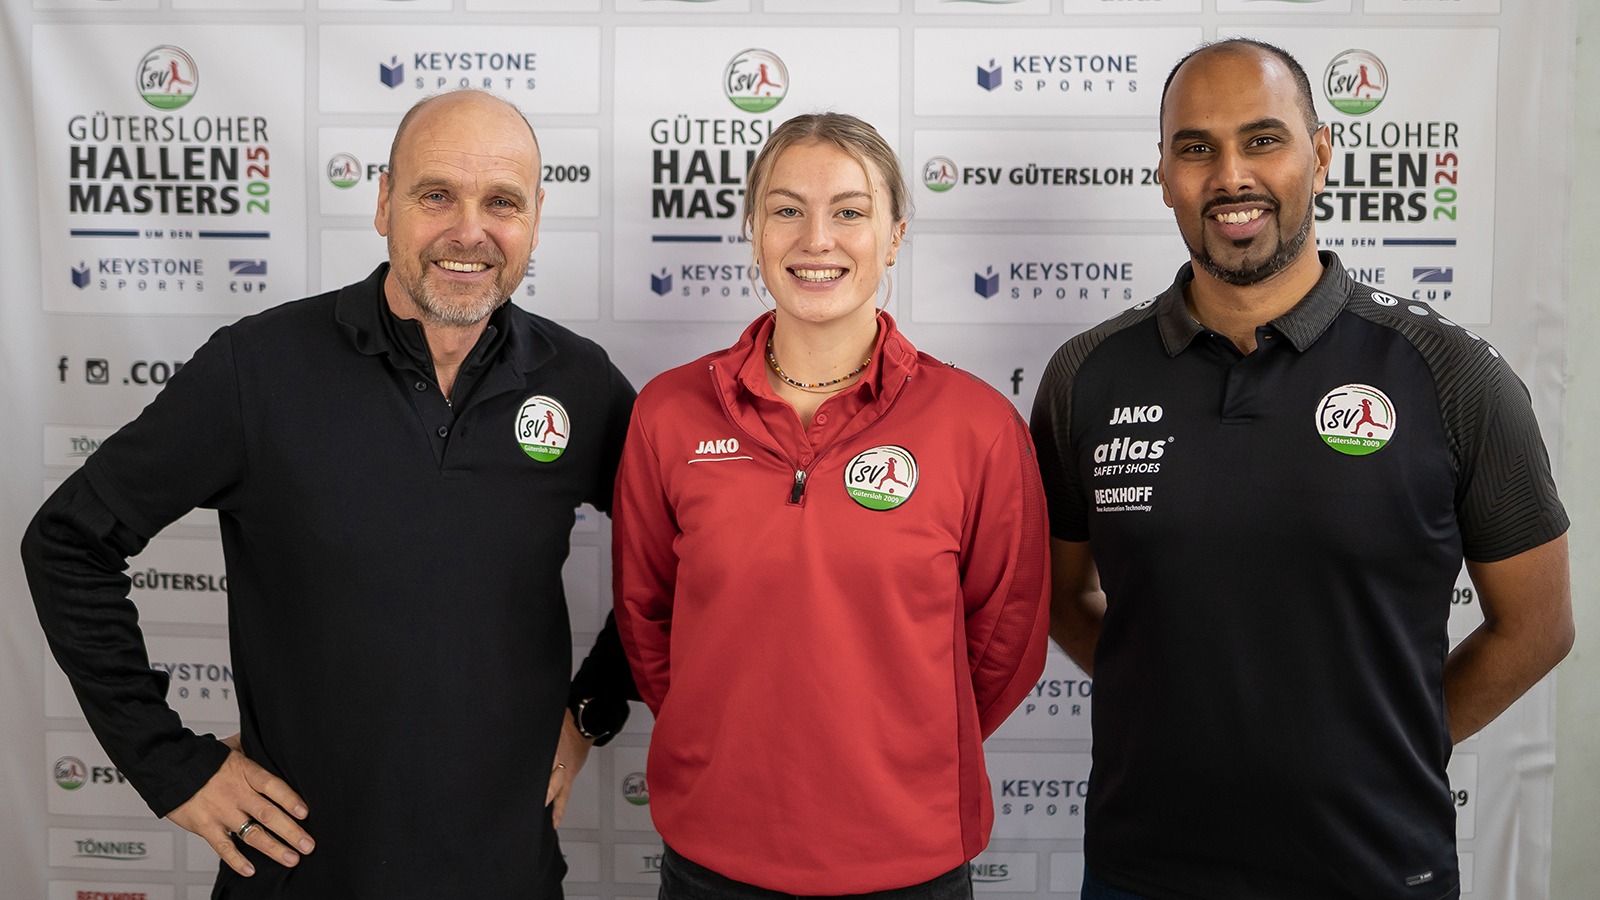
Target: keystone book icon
(989, 78)
(80, 275)
(987, 284)
(392, 73)
(167, 77)
(662, 283)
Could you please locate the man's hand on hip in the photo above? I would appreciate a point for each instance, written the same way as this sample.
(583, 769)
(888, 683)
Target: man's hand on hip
(242, 799)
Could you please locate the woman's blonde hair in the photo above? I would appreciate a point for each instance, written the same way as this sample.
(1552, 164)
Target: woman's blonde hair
(850, 134)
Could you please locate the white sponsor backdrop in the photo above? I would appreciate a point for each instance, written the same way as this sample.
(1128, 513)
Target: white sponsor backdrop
(174, 164)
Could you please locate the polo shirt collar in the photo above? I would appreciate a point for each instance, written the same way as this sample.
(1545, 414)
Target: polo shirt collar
(1302, 324)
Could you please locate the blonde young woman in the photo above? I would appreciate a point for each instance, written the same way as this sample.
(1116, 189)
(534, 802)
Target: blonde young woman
(831, 564)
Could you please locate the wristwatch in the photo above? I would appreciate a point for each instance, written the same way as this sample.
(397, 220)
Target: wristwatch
(598, 719)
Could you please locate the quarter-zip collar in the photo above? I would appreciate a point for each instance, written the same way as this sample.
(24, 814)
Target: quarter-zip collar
(740, 375)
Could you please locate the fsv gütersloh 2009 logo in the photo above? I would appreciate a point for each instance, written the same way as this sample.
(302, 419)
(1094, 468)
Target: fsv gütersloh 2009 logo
(755, 80)
(168, 77)
(1356, 419)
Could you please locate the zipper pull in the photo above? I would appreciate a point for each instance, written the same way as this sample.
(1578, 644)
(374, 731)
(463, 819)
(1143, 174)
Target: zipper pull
(799, 488)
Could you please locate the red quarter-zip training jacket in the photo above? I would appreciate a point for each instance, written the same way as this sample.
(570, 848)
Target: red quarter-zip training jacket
(828, 623)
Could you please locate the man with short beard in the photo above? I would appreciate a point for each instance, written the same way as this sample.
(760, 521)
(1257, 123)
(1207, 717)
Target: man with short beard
(1262, 485)
(395, 509)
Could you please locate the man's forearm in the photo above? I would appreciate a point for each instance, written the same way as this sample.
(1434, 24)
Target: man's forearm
(1527, 628)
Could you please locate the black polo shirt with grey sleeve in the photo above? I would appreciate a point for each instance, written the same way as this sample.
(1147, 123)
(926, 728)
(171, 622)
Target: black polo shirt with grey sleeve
(1278, 535)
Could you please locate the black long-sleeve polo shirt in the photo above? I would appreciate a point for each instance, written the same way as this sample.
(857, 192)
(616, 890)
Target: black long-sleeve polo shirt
(399, 631)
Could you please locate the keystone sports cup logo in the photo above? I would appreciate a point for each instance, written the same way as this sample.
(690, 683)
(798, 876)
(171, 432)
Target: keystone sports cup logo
(1355, 82)
(344, 171)
(939, 174)
(543, 428)
(167, 77)
(756, 80)
(881, 478)
(1356, 419)
(70, 773)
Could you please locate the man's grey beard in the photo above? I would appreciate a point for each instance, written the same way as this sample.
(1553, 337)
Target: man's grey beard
(440, 313)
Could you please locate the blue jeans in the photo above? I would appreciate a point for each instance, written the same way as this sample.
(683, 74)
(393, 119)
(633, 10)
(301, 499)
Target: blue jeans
(1095, 889)
(685, 880)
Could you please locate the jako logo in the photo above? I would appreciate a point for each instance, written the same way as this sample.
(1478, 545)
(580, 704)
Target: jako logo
(662, 283)
(1355, 82)
(755, 80)
(167, 77)
(939, 174)
(70, 773)
(721, 445)
(344, 171)
(635, 790)
(989, 78)
(1123, 415)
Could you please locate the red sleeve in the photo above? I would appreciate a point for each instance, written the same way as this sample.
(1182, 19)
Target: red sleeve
(1005, 578)
(644, 565)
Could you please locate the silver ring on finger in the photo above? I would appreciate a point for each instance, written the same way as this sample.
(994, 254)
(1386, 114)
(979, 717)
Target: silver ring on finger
(245, 829)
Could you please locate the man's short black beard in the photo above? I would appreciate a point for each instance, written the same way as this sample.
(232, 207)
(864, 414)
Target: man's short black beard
(1287, 253)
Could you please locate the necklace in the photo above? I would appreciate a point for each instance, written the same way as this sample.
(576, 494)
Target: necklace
(772, 363)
